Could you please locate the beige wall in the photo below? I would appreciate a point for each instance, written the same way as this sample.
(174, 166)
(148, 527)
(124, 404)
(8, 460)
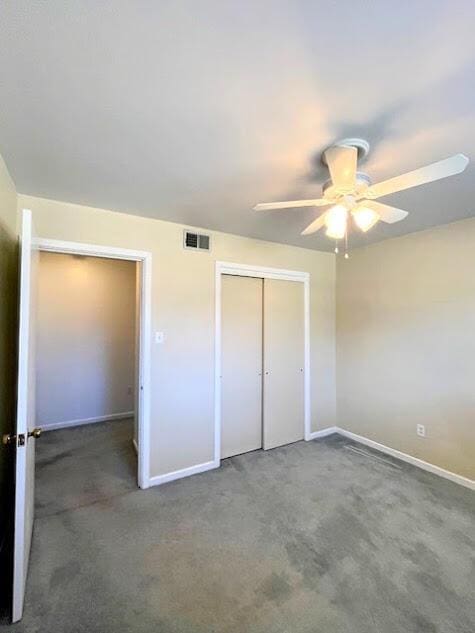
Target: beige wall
(8, 316)
(86, 338)
(406, 344)
(183, 307)
(405, 348)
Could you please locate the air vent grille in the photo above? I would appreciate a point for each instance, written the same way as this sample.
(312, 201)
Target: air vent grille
(191, 240)
(203, 242)
(196, 241)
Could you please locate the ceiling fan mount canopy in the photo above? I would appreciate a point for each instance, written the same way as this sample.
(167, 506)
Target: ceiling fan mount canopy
(361, 146)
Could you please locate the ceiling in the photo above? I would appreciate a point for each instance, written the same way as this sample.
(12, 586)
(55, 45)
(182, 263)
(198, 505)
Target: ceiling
(195, 111)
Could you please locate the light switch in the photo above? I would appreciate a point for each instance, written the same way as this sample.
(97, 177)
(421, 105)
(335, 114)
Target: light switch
(159, 337)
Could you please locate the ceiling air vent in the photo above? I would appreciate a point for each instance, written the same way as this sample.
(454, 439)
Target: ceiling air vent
(196, 241)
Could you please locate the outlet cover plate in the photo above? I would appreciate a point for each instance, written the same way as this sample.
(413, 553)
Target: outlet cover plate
(421, 430)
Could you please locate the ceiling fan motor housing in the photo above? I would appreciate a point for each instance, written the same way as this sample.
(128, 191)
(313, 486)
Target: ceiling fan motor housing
(363, 181)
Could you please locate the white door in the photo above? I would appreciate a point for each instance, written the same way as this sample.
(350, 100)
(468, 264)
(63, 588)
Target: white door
(241, 366)
(25, 439)
(284, 351)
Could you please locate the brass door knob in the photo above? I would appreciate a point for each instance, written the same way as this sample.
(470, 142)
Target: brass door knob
(36, 433)
(8, 438)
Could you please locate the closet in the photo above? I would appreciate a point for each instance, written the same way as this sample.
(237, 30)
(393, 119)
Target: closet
(262, 377)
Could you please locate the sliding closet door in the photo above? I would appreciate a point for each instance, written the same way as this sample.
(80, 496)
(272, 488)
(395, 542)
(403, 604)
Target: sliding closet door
(283, 399)
(241, 365)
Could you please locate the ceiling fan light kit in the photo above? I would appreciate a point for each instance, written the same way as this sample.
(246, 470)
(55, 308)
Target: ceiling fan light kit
(365, 218)
(350, 193)
(336, 220)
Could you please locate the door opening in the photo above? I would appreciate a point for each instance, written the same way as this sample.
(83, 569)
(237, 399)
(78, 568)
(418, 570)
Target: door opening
(142, 262)
(27, 432)
(86, 379)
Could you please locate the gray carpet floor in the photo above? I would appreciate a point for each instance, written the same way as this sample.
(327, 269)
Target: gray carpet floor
(316, 537)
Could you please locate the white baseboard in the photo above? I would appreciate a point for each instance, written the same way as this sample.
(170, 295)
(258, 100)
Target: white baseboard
(135, 445)
(415, 461)
(184, 472)
(102, 418)
(323, 433)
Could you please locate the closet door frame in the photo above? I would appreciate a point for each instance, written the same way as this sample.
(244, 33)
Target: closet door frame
(262, 272)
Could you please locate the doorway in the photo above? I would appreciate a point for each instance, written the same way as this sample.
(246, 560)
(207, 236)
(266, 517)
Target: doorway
(139, 398)
(86, 379)
(23, 440)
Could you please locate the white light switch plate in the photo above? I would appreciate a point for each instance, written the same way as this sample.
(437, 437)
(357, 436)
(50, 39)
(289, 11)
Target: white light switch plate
(159, 337)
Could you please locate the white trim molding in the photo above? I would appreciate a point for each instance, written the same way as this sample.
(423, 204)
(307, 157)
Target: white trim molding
(93, 250)
(415, 461)
(53, 426)
(184, 472)
(315, 435)
(245, 270)
(144, 259)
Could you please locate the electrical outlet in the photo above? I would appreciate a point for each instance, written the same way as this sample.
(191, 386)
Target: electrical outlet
(129, 391)
(421, 430)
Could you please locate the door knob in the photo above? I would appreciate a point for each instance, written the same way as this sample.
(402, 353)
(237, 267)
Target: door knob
(8, 438)
(36, 432)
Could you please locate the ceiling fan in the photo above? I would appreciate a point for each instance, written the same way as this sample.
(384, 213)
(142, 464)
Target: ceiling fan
(350, 194)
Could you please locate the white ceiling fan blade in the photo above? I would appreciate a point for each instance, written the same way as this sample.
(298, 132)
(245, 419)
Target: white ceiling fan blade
(386, 213)
(316, 225)
(292, 204)
(443, 168)
(342, 162)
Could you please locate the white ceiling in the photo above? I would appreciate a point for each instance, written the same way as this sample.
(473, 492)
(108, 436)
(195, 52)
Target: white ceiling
(194, 111)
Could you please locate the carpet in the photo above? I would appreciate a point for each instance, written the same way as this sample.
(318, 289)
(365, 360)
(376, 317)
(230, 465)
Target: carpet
(314, 537)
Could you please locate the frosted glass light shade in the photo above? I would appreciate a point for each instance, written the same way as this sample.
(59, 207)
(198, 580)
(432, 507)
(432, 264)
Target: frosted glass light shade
(336, 221)
(365, 218)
